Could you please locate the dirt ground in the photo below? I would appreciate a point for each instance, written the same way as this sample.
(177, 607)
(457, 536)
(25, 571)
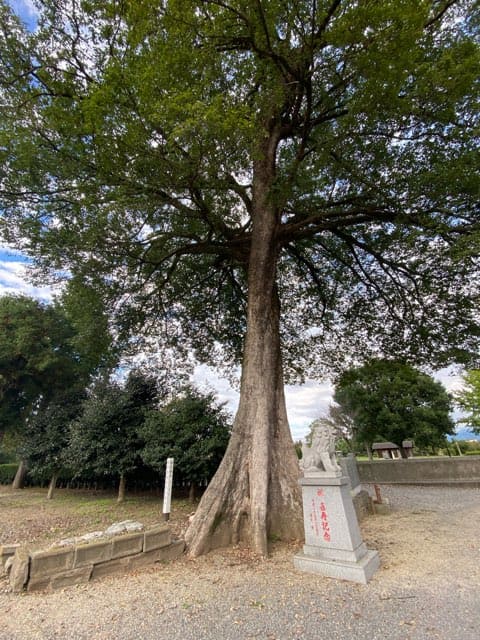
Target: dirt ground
(423, 530)
(426, 588)
(27, 517)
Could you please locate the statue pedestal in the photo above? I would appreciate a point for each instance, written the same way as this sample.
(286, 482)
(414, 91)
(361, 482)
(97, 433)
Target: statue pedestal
(333, 543)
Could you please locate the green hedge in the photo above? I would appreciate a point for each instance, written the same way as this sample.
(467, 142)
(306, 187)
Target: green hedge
(7, 458)
(7, 473)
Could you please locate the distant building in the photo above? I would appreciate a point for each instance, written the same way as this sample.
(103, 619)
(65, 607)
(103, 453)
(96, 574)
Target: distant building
(390, 450)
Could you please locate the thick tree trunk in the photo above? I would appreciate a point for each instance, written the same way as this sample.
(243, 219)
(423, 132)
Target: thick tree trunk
(19, 480)
(255, 492)
(121, 488)
(51, 486)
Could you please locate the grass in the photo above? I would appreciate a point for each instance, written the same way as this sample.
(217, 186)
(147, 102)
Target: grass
(27, 516)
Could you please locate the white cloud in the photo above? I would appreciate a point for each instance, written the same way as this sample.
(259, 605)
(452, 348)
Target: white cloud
(13, 279)
(305, 402)
(450, 378)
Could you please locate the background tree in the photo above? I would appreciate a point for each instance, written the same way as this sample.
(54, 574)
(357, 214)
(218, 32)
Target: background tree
(37, 361)
(193, 429)
(47, 438)
(468, 399)
(392, 401)
(45, 351)
(93, 338)
(105, 439)
(341, 422)
(37, 358)
(292, 180)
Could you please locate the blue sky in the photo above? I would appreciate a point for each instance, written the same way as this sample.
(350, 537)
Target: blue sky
(26, 10)
(305, 403)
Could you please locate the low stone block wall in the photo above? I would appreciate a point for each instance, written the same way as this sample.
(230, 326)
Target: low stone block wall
(59, 567)
(6, 552)
(458, 470)
(363, 504)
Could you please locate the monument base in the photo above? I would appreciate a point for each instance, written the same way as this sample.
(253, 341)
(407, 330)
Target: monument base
(360, 571)
(333, 542)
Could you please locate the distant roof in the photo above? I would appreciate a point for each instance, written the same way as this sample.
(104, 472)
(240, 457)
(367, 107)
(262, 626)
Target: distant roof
(407, 444)
(384, 445)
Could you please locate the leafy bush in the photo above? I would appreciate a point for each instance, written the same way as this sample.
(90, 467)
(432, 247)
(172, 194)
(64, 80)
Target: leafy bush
(193, 429)
(7, 472)
(7, 457)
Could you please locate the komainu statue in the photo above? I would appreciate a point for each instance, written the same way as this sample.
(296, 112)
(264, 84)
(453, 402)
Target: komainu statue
(320, 456)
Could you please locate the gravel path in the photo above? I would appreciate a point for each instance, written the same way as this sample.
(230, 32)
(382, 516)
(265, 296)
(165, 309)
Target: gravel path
(428, 587)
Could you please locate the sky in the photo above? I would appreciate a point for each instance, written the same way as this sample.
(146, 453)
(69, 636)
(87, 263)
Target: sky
(305, 403)
(26, 10)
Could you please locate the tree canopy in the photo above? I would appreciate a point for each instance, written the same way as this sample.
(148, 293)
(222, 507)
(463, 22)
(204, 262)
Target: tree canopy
(291, 180)
(392, 401)
(47, 436)
(127, 157)
(105, 437)
(193, 429)
(37, 358)
(468, 399)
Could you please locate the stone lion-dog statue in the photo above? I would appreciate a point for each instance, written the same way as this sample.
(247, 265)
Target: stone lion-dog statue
(320, 455)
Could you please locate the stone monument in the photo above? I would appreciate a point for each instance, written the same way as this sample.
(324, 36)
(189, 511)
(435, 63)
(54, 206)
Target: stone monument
(333, 543)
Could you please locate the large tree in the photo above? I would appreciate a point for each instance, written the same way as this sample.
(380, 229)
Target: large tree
(393, 401)
(290, 179)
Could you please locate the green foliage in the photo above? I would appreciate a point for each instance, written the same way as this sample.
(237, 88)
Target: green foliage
(104, 439)
(469, 447)
(47, 434)
(92, 338)
(7, 455)
(193, 429)
(7, 472)
(298, 448)
(468, 399)
(392, 401)
(128, 156)
(37, 358)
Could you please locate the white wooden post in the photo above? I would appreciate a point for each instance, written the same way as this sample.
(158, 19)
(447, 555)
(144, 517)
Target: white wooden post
(167, 492)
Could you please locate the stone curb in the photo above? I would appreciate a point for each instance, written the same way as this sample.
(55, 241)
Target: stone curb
(79, 563)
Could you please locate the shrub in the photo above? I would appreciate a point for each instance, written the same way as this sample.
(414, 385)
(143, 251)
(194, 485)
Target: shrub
(7, 473)
(7, 457)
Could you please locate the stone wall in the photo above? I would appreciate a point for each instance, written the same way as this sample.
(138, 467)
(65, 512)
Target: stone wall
(458, 470)
(59, 567)
(362, 501)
